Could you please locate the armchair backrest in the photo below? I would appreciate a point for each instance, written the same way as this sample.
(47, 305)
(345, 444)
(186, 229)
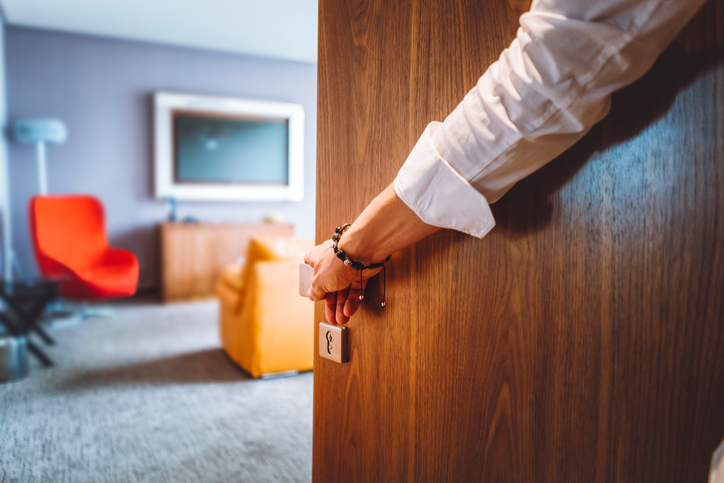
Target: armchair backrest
(68, 232)
(273, 249)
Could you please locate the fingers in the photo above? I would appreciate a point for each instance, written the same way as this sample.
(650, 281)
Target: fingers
(308, 258)
(353, 300)
(342, 296)
(334, 307)
(330, 308)
(340, 305)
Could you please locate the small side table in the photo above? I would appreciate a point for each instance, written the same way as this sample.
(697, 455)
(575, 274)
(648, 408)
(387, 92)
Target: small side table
(25, 304)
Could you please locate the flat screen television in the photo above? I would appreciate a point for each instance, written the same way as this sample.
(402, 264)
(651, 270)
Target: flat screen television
(217, 148)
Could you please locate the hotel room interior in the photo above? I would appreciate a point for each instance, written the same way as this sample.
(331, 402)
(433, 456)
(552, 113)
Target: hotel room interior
(165, 166)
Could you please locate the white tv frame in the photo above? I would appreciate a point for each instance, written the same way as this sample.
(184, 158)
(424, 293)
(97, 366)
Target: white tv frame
(166, 186)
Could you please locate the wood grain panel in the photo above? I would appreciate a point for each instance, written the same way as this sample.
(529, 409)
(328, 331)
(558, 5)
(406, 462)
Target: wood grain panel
(193, 254)
(583, 339)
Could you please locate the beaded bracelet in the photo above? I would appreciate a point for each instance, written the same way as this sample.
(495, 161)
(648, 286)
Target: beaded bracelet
(348, 262)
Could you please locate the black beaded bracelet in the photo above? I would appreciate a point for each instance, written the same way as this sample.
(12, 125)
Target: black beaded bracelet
(338, 232)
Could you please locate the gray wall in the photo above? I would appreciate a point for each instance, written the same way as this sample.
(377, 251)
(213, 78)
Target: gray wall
(102, 89)
(5, 234)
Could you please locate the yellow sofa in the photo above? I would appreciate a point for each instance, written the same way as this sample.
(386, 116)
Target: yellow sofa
(265, 326)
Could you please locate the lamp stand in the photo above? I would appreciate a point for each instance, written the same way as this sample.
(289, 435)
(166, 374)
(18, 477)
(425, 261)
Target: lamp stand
(42, 171)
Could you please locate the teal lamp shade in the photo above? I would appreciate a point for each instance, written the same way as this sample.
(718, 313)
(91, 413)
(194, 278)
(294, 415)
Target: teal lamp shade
(33, 131)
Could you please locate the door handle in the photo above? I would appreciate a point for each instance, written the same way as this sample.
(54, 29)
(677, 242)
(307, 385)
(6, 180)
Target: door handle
(305, 278)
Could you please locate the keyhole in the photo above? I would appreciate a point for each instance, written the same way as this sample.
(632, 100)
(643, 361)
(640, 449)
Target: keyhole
(329, 342)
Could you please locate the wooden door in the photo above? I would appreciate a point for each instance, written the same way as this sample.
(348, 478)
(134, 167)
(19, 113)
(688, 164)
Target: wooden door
(582, 339)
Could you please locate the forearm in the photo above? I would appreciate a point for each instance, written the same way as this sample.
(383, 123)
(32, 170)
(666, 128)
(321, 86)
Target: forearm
(386, 226)
(544, 93)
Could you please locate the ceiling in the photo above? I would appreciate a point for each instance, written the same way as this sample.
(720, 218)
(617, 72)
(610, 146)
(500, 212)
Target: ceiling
(285, 29)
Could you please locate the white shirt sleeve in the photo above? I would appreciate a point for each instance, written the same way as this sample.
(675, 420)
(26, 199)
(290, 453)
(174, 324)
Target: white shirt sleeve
(543, 94)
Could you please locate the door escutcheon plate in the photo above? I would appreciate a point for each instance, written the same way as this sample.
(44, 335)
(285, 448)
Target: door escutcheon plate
(333, 343)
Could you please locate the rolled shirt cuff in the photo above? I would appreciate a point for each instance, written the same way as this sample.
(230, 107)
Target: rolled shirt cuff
(438, 194)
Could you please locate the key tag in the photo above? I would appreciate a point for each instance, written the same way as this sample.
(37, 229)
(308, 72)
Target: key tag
(333, 342)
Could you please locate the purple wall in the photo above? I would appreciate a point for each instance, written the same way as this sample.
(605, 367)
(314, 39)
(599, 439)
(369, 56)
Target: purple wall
(102, 89)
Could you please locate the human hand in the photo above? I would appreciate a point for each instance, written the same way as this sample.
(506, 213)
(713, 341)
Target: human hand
(339, 285)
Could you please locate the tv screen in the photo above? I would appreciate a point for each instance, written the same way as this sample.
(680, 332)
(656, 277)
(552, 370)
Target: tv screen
(220, 148)
(212, 148)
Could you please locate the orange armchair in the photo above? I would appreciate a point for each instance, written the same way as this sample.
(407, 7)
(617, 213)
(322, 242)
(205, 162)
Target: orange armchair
(265, 326)
(69, 239)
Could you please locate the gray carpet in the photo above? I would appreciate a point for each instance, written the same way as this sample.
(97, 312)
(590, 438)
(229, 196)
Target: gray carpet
(148, 396)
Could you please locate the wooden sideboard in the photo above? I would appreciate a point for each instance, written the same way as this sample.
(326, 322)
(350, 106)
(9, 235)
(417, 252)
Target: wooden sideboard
(193, 254)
